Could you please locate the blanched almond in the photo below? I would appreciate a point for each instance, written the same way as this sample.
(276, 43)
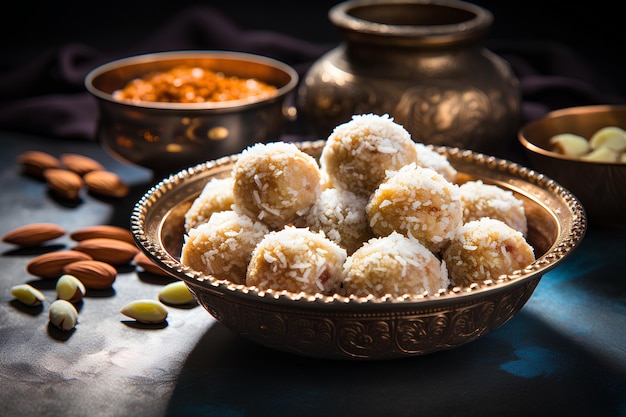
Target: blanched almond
(176, 293)
(33, 234)
(602, 154)
(106, 231)
(63, 315)
(93, 274)
(112, 251)
(145, 311)
(569, 144)
(50, 265)
(34, 163)
(63, 182)
(70, 288)
(27, 294)
(145, 263)
(80, 164)
(106, 183)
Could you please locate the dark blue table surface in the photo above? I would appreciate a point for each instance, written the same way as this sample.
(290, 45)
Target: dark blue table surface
(564, 354)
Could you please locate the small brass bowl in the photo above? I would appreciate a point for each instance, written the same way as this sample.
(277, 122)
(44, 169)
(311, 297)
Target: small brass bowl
(167, 137)
(600, 186)
(368, 328)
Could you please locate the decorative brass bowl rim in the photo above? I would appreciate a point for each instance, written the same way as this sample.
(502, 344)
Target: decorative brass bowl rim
(281, 91)
(563, 245)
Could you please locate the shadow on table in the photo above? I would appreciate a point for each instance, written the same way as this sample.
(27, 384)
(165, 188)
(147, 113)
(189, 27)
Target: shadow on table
(523, 368)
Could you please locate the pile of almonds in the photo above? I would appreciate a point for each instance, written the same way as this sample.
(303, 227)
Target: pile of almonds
(89, 265)
(607, 144)
(71, 172)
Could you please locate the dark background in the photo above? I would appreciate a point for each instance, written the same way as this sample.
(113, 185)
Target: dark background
(564, 53)
(595, 30)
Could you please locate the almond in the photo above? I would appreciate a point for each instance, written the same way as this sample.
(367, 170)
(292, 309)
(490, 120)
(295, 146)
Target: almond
(106, 183)
(112, 251)
(70, 288)
(50, 265)
(33, 234)
(93, 274)
(108, 231)
(63, 182)
(34, 163)
(80, 164)
(145, 311)
(63, 315)
(145, 263)
(27, 294)
(176, 293)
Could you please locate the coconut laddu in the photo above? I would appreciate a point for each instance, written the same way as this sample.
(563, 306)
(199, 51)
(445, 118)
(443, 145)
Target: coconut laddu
(275, 183)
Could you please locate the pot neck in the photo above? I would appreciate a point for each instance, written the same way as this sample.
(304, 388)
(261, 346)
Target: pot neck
(434, 24)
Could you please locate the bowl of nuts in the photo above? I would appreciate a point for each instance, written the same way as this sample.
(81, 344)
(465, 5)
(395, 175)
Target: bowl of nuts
(165, 111)
(318, 266)
(584, 149)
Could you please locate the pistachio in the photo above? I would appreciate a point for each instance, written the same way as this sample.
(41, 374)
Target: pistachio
(145, 311)
(176, 293)
(70, 288)
(27, 294)
(63, 315)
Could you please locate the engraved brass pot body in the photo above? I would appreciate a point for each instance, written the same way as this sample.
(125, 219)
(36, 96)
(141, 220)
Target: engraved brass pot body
(421, 62)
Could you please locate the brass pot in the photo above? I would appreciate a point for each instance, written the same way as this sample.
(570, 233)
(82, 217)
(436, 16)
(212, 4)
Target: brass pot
(421, 62)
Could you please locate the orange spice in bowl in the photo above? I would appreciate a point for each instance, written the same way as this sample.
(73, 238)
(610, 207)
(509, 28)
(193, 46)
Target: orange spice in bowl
(193, 84)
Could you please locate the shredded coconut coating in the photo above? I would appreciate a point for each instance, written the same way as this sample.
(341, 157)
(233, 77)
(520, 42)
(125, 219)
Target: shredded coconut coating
(217, 195)
(417, 202)
(485, 200)
(275, 183)
(485, 249)
(393, 265)
(340, 214)
(358, 153)
(297, 260)
(223, 246)
(428, 158)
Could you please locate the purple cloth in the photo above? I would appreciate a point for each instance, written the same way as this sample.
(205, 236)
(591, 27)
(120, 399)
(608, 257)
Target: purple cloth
(48, 97)
(552, 76)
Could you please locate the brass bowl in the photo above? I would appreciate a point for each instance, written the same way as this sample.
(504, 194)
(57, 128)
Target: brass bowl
(338, 327)
(167, 137)
(600, 186)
